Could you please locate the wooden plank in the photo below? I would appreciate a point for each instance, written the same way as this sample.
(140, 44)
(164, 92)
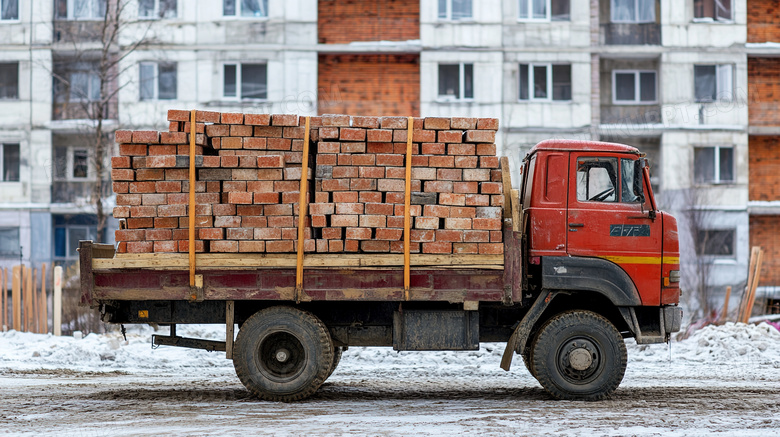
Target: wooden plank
(16, 290)
(57, 302)
(3, 298)
(751, 272)
(230, 313)
(259, 260)
(407, 206)
(29, 322)
(44, 314)
(36, 304)
(515, 203)
(751, 297)
(302, 204)
(725, 310)
(506, 179)
(192, 200)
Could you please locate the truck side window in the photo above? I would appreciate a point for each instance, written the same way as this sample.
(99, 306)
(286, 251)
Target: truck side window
(597, 179)
(631, 181)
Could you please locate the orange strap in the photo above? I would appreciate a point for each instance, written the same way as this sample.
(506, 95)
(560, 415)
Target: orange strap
(407, 205)
(192, 199)
(302, 206)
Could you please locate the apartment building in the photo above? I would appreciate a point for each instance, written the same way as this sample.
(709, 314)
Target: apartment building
(670, 77)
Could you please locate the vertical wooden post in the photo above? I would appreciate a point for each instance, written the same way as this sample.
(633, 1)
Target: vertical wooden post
(16, 287)
(28, 308)
(43, 315)
(229, 326)
(302, 206)
(192, 200)
(57, 302)
(725, 310)
(4, 287)
(36, 303)
(25, 300)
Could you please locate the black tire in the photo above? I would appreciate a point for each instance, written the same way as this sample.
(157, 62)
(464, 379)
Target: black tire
(579, 355)
(528, 354)
(283, 354)
(337, 351)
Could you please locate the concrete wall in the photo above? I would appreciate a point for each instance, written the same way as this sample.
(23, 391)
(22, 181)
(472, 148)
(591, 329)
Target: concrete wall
(679, 29)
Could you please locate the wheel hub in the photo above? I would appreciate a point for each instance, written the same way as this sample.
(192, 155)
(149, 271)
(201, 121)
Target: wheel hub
(579, 359)
(282, 355)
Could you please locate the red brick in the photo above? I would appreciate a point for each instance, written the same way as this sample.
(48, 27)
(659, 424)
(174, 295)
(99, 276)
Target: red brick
(140, 223)
(437, 123)
(140, 246)
(419, 161)
(129, 199)
(390, 160)
(452, 199)
(123, 136)
(224, 246)
(130, 235)
(480, 136)
(284, 120)
(347, 171)
(390, 185)
(436, 211)
(438, 186)
(450, 136)
(345, 197)
(257, 119)
(395, 173)
(270, 161)
(379, 136)
(239, 197)
(477, 200)
(251, 246)
(349, 208)
(335, 185)
(370, 197)
(143, 211)
(132, 149)
(277, 246)
(448, 235)
(466, 161)
(120, 162)
(279, 209)
(463, 211)
(268, 174)
(463, 123)
(358, 233)
(375, 246)
(393, 122)
(422, 235)
(437, 247)
(426, 222)
(476, 174)
(486, 149)
(395, 222)
(351, 134)
(153, 199)
(229, 221)
(211, 233)
(449, 174)
(121, 212)
(490, 188)
(490, 224)
(341, 221)
(184, 246)
(150, 174)
(441, 161)
(496, 236)
(353, 147)
(380, 148)
(373, 221)
(171, 210)
(158, 234)
(166, 222)
(173, 138)
(458, 223)
(465, 248)
(178, 115)
(379, 209)
(146, 137)
(389, 234)
(121, 174)
(266, 198)
(491, 248)
(168, 187)
(367, 159)
(267, 233)
(278, 144)
(487, 123)
(476, 236)
(395, 197)
(120, 187)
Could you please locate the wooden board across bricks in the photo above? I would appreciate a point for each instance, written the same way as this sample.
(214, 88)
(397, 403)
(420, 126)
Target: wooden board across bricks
(248, 179)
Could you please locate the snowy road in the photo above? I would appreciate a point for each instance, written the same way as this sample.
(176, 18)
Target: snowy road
(722, 381)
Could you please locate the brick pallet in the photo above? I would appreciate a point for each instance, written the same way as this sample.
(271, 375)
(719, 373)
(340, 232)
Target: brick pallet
(248, 181)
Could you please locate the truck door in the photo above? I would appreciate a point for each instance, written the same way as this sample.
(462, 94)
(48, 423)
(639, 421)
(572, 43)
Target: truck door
(608, 217)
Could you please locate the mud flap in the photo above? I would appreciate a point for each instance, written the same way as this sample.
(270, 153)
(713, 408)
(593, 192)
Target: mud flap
(520, 336)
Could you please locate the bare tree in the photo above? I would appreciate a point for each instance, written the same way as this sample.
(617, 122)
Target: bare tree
(87, 79)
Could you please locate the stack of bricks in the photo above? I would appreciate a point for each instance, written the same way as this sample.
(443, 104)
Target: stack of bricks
(248, 170)
(456, 190)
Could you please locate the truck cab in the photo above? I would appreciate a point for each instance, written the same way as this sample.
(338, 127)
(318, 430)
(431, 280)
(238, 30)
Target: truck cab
(592, 224)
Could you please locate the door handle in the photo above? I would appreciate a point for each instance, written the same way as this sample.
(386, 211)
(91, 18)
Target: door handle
(576, 225)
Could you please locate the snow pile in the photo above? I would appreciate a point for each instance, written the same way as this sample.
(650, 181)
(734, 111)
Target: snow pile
(110, 352)
(727, 343)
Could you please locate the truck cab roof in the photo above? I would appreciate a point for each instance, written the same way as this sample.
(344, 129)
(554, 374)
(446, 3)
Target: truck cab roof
(579, 145)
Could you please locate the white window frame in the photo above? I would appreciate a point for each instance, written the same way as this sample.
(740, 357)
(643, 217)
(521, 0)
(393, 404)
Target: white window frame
(720, 95)
(70, 159)
(530, 12)
(637, 90)
(717, 19)
(239, 66)
(549, 66)
(448, 13)
(156, 12)
(238, 15)
(71, 12)
(461, 83)
(636, 11)
(731, 256)
(18, 12)
(716, 170)
(90, 232)
(2, 162)
(155, 81)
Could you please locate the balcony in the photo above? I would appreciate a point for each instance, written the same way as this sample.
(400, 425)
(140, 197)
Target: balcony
(78, 192)
(630, 34)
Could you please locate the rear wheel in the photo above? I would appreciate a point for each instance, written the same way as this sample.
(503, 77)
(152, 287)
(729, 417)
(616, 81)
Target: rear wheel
(336, 359)
(579, 355)
(528, 354)
(283, 354)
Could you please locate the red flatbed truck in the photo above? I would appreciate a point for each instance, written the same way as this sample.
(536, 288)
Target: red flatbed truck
(588, 261)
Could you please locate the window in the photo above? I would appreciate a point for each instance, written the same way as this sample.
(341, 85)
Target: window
(245, 81)
(713, 165)
(157, 9)
(9, 81)
(456, 81)
(245, 8)
(545, 82)
(637, 87)
(72, 164)
(713, 82)
(157, 80)
(9, 242)
(597, 179)
(712, 10)
(543, 10)
(9, 9)
(66, 239)
(9, 162)
(715, 242)
(632, 178)
(80, 9)
(633, 11)
(79, 82)
(455, 10)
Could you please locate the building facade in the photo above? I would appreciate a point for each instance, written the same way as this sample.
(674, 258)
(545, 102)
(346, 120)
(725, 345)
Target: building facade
(677, 79)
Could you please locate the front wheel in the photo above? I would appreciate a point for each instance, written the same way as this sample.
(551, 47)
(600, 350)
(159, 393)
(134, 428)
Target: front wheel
(283, 354)
(579, 355)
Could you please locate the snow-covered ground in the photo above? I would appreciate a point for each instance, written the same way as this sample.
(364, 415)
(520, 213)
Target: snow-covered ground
(722, 380)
